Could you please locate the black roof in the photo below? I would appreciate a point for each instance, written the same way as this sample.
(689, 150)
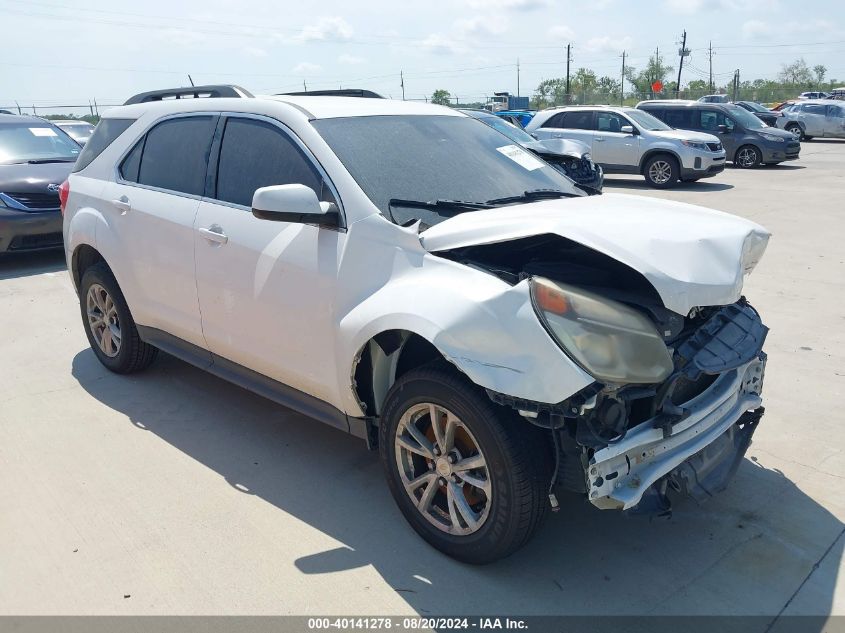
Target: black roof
(341, 92)
(190, 92)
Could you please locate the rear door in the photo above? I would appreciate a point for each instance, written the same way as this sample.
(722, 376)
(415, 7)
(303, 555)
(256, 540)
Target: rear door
(571, 124)
(151, 210)
(835, 121)
(611, 146)
(266, 288)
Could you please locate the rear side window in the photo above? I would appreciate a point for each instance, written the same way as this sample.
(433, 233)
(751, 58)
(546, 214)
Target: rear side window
(678, 118)
(105, 133)
(256, 154)
(173, 155)
(578, 120)
(812, 108)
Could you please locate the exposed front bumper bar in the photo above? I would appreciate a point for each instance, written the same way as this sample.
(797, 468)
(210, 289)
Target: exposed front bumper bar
(621, 473)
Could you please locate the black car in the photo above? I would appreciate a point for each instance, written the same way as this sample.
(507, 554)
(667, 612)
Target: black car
(571, 158)
(35, 158)
(769, 117)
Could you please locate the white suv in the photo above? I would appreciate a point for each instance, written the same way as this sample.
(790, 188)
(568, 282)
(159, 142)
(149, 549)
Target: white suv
(407, 274)
(630, 141)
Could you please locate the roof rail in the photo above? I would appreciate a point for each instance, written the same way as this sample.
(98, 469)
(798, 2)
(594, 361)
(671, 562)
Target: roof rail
(190, 92)
(343, 92)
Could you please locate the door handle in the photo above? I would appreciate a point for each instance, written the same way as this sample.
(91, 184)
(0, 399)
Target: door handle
(214, 233)
(122, 203)
(599, 139)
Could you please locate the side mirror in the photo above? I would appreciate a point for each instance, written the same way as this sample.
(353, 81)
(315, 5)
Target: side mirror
(627, 129)
(723, 129)
(293, 203)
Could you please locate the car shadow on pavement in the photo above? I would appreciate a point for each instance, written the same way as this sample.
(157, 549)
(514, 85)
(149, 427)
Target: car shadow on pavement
(782, 167)
(639, 183)
(14, 265)
(748, 551)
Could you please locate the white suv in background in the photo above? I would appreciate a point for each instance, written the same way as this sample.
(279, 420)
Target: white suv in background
(630, 141)
(407, 274)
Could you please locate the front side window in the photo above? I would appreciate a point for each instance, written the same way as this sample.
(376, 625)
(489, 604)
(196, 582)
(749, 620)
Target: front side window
(434, 157)
(35, 142)
(710, 120)
(255, 154)
(812, 108)
(610, 122)
(173, 155)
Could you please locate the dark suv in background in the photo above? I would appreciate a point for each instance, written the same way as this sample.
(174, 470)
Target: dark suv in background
(35, 158)
(748, 141)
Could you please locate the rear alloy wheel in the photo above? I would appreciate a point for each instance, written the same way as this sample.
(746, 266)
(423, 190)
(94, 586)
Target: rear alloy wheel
(796, 131)
(661, 171)
(470, 476)
(748, 157)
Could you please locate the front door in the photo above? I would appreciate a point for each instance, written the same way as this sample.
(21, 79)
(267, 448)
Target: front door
(266, 289)
(612, 146)
(835, 121)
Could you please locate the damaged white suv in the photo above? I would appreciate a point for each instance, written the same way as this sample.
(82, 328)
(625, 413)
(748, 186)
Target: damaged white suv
(405, 273)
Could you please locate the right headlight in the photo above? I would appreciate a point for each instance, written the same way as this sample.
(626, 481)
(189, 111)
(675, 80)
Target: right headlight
(609, 340)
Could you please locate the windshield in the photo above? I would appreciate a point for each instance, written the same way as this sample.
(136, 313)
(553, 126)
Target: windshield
(745, 118)
(497, 123)
(646, 121)
(434, 157)
(83, 129)
(28, 142)
(756, 107)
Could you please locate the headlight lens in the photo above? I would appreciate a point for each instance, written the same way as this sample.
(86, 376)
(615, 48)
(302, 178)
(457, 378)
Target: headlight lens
(609, 340)
(695, 145)
(773, 138)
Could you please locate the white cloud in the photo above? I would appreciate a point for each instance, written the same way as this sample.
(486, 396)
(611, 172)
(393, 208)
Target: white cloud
(608, 44)
(761, 30)
(306, 68)
(326, 28)
(254, 51)
(441, 44)
(520, 5)
(351, 60)
(685, 7)
(689, 7)
(561, 32)
(490, 24)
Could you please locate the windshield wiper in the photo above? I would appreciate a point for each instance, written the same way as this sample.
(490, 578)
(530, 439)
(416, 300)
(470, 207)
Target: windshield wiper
(44, 161)
(439, 205)
(533, 194)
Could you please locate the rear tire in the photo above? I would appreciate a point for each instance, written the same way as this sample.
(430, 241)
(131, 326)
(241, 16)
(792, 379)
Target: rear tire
(109, 325)
(661, 171)
(481, 498)
(748, 157)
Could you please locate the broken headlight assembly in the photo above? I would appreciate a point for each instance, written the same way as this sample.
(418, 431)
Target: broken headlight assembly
(609, 340)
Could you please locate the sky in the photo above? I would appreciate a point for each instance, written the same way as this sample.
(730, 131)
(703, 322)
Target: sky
(56, 53)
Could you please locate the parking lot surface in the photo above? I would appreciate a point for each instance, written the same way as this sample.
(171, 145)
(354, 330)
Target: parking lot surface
(173, 492)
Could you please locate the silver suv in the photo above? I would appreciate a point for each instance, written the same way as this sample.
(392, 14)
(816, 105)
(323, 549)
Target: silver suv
(811, 118)
(630, 141)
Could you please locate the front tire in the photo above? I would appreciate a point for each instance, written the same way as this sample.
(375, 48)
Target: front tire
(109, 325)
(469, 476)
(661, 171)
(748, 157)
(796, 131)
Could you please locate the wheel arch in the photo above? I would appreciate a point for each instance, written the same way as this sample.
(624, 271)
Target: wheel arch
(83, 257)
(651, 153)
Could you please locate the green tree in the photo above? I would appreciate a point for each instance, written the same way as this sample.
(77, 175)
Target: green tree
(655, 70)
(583, 84)
(609, 87)
(549, 92)
(821, 71)
(698, 87)
(441, 97)
(797, 73)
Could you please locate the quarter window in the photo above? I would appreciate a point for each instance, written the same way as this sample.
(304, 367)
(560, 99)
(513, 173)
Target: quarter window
(173, 155)
(105, 133)
(257, 154)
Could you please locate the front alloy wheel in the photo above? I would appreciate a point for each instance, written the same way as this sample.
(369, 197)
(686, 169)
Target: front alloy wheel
(442, 468)
(470, 476)
(748, 157)
(661, 171)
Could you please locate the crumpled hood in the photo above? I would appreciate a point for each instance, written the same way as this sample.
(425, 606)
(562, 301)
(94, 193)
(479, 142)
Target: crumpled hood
(693, 256)
(559, 147)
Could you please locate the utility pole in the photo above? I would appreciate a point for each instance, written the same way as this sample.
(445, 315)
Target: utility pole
(568, 59)
(517, 76)
(19, 107)
(683, 52)
(710, 54)
(304, 86)
(656, 68)
(191, 80)
(736, 84)
(622, 92)
(90, 107)
(402, 83)
(96, 109)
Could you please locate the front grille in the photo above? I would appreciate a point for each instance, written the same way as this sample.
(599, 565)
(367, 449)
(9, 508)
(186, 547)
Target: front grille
(714, 147)
(32, 242)
(581, 170)
(36, 201)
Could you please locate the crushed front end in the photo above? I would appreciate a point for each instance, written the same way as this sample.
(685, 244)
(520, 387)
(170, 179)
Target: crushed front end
(628, 446)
